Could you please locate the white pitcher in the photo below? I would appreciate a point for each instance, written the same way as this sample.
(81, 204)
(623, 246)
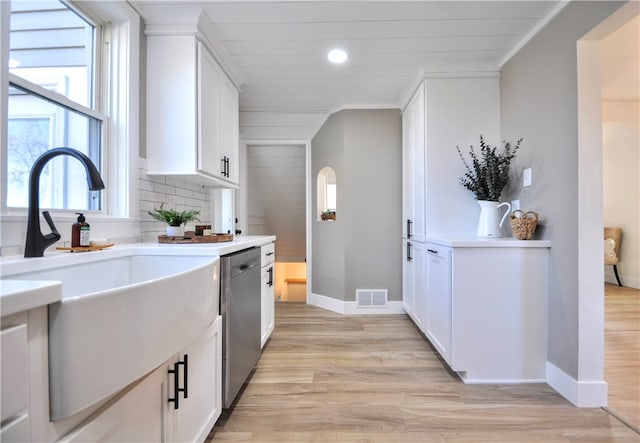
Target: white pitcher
(488, 224)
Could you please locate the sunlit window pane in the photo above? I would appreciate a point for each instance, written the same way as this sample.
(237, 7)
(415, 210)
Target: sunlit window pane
(52, 46)
(36, 125)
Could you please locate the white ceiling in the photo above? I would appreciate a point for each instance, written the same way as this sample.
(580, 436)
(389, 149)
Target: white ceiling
(281, 47)
(621, 63)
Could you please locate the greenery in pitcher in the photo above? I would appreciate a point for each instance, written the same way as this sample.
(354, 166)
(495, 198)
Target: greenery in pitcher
(173, 217)
(487, 174)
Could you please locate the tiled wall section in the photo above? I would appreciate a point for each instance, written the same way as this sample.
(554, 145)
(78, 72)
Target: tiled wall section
(175, 194)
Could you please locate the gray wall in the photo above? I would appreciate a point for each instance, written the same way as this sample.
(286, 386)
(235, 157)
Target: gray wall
(373, 204)
(327, 237)
(538, 101)
(362, 248)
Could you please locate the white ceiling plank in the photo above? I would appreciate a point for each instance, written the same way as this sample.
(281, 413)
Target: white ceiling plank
(373, 30)
(280, 48)
(309, 12)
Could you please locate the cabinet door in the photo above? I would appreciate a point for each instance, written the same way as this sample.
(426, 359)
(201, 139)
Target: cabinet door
(200, 405)
(209, 78)
(418, 162)
(438, 293)
(407, 171)
(136, 416)
(229, 129)
(267, 313)
(419, 285)
(410, 285)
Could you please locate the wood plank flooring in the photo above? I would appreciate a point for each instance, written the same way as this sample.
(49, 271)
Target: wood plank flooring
(622, 352)
(324, 377)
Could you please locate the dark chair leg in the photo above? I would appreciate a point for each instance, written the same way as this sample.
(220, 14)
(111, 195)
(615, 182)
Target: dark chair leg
(615, 271)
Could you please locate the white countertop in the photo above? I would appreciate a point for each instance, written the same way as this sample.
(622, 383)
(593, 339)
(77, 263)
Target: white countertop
(22, 295)
(19, 295)
(504, 242)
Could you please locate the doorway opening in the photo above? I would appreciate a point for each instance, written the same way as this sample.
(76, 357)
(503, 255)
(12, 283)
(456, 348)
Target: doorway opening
(277, 205)
(605, 124)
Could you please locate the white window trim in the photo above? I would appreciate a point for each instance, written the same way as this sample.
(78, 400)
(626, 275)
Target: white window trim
(118, 99)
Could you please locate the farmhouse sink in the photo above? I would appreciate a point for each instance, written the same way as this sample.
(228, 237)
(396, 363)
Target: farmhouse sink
(120, 318)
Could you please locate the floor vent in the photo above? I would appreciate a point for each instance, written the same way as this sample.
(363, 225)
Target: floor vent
(371, 298)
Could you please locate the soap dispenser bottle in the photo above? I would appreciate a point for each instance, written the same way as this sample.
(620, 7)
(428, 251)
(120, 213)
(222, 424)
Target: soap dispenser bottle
(80, 232)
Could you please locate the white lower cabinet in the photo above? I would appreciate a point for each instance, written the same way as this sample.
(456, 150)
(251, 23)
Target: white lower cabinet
(144, 411)
(267, 294)
(15, 384)
(413, 276)
(485, 308)
(135, 416)
(437, 324)
(198, 395)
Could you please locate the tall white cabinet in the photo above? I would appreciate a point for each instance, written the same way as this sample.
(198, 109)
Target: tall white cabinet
(192, 111)
(482, 305)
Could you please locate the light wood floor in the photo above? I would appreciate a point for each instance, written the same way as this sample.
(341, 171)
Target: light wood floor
(622, 351)
(325, 377)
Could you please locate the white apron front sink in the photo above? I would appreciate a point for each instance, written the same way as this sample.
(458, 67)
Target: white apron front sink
(119, 319)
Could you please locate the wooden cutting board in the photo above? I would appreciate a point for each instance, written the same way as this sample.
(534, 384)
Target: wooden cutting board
(192, 238)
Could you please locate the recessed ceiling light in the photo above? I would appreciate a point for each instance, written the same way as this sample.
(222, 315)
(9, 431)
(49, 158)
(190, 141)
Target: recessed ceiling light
(337, 56)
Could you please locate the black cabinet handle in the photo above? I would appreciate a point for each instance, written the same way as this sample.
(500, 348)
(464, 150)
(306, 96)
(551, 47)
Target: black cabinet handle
(185, 375)
(224, 165)
(409, 258)
(176, 389)
(176, 381)
(433, 251)
(269, 254)
(409, 226)
(270, 282)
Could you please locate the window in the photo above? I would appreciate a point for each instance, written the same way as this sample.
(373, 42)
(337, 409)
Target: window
(327, 194)
(51, 101)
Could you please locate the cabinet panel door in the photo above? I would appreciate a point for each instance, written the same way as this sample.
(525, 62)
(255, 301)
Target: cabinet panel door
(407, 170)
(438, 296)
(419, 285)
(407, 277)
(199, 410)
(209, 78)
(413, 296)
(419, 166)
(15, 365)
(268, 302)
(137, 416)
(229, 128)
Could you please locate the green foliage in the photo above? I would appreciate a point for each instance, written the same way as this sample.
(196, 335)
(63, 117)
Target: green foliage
(173, 217)
(488, 173)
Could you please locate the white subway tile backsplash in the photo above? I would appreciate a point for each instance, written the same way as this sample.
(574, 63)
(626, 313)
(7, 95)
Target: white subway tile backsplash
(174, 193)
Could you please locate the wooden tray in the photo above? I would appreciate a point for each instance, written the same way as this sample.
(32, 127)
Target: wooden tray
(189, 238)
(83, 248)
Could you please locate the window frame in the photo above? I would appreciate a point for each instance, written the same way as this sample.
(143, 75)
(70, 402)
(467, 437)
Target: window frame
(117, 67)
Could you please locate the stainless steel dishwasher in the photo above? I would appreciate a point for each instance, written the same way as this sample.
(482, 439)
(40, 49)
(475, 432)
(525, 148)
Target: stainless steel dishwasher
(240, 307)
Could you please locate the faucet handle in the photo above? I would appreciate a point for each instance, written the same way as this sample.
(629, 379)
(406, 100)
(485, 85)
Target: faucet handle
(54, 236)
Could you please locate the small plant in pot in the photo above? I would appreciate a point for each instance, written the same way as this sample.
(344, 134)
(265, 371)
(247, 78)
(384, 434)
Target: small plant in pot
(486, 175)
(329, 214)
(175, 219)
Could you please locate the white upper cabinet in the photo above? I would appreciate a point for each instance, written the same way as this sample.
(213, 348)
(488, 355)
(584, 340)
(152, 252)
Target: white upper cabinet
(192, 113)
(414, 168)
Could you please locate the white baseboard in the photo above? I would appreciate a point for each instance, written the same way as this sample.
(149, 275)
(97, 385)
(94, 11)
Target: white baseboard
(583, 394)
(350, 308)
(627, 281)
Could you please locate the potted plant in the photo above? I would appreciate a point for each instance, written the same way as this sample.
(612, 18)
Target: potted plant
(329, 214)
(175, 219)
(486, 175)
